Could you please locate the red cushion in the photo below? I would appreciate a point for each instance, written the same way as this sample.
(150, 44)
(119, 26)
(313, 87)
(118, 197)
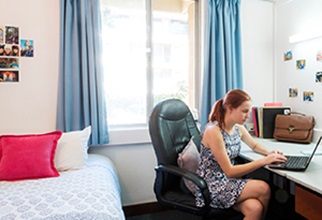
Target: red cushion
(28, 156)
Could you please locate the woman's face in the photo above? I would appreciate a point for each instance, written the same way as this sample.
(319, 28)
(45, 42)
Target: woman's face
(241, 113)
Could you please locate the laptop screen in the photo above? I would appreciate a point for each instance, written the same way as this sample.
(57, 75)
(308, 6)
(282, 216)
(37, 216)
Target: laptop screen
(316, 147)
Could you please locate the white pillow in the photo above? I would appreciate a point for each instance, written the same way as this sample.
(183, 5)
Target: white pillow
(189, 159)
(71, 151)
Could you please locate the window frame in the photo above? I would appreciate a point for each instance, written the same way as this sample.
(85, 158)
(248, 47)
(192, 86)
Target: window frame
(139, 133)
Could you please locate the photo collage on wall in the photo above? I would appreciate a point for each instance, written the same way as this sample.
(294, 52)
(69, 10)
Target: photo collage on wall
(11, 49)
(308, 96)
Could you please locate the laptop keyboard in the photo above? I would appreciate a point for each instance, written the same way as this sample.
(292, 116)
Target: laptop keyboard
(293, 161)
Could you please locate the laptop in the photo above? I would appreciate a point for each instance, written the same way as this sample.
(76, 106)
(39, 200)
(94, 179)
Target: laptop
(296, 163)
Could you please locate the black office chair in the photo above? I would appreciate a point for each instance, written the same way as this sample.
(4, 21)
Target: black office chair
(171, 127)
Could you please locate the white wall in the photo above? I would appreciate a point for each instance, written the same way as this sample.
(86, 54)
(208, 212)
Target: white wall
(135, 165)
(30, 105)
(258, 51)
(294, 17)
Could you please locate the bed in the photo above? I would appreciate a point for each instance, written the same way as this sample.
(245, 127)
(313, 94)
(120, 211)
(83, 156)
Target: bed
(91, 191)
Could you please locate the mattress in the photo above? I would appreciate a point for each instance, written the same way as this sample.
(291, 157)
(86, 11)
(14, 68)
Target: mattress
(92, 192)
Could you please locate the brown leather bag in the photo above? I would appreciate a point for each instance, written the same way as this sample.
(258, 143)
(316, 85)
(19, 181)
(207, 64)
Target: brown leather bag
(294, 127)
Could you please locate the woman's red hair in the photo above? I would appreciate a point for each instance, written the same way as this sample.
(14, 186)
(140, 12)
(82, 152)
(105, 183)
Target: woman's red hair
(233, 99)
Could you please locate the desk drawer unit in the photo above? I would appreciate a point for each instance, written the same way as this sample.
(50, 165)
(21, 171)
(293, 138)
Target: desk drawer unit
(308, 204)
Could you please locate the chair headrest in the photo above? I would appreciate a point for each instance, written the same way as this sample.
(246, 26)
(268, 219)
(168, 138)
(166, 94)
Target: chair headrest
(173, 109)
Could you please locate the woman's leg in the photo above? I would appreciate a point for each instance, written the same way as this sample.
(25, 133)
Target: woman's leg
(251, 208)
(254, 199)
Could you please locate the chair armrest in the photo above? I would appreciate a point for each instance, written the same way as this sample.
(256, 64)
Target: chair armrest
(174, 170)
(183, 173)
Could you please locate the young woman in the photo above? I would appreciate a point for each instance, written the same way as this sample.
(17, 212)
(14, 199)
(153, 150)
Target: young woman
(221, 143)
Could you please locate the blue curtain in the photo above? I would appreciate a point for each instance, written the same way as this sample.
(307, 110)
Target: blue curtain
(81, 100)
(223, 64)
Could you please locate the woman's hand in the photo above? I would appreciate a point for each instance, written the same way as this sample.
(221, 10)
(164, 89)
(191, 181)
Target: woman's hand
(275, 152)
(275, 157)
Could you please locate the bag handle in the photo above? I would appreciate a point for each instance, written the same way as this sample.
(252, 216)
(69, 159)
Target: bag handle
(295, 113)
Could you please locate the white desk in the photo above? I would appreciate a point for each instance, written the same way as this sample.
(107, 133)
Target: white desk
(310, 179)
(288, 149)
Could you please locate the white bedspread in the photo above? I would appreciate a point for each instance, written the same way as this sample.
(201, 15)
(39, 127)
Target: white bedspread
(89, 193)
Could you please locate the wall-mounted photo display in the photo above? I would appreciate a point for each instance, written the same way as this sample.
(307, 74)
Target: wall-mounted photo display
(318, 77)
(11, 45)
(9, 76)
(308, 96)
(288, 56)
(293, 92)
(27, 48)
(300, 64)
(9, 53)
(319, 56)
(9, 63)
(11, 49)
(12, 35)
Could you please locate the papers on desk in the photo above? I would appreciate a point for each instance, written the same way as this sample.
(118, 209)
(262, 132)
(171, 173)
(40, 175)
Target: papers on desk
(309, 152)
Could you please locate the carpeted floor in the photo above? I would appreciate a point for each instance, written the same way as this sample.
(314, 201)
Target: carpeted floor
(166, 215)
(178, 215)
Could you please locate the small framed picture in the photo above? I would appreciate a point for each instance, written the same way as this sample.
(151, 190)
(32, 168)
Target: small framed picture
(288, 56)
(293, 92)
(27, 48)
(9, 63)
(9, 76)
(300, 64)
(318, 77)
(319, 56)
(12, 35)
(308, 96)
(1, 34)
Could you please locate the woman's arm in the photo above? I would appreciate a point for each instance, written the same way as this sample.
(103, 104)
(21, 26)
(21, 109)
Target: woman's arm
(254, 145)
(213, 139)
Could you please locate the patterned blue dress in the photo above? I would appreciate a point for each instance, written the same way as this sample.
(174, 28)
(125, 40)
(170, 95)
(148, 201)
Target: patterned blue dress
(224, 191)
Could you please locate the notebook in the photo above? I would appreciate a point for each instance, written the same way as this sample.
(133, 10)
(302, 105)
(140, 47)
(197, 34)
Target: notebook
(297, 163)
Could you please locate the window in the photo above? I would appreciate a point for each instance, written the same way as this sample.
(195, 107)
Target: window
(149, 55)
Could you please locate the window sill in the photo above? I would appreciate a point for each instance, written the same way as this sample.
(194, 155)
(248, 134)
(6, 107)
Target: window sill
(127, 136)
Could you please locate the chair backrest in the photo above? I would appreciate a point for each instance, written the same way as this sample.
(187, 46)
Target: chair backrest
(171, 126)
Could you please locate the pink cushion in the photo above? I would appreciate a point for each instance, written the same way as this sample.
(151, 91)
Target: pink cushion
(28, 156)
(189, 159)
